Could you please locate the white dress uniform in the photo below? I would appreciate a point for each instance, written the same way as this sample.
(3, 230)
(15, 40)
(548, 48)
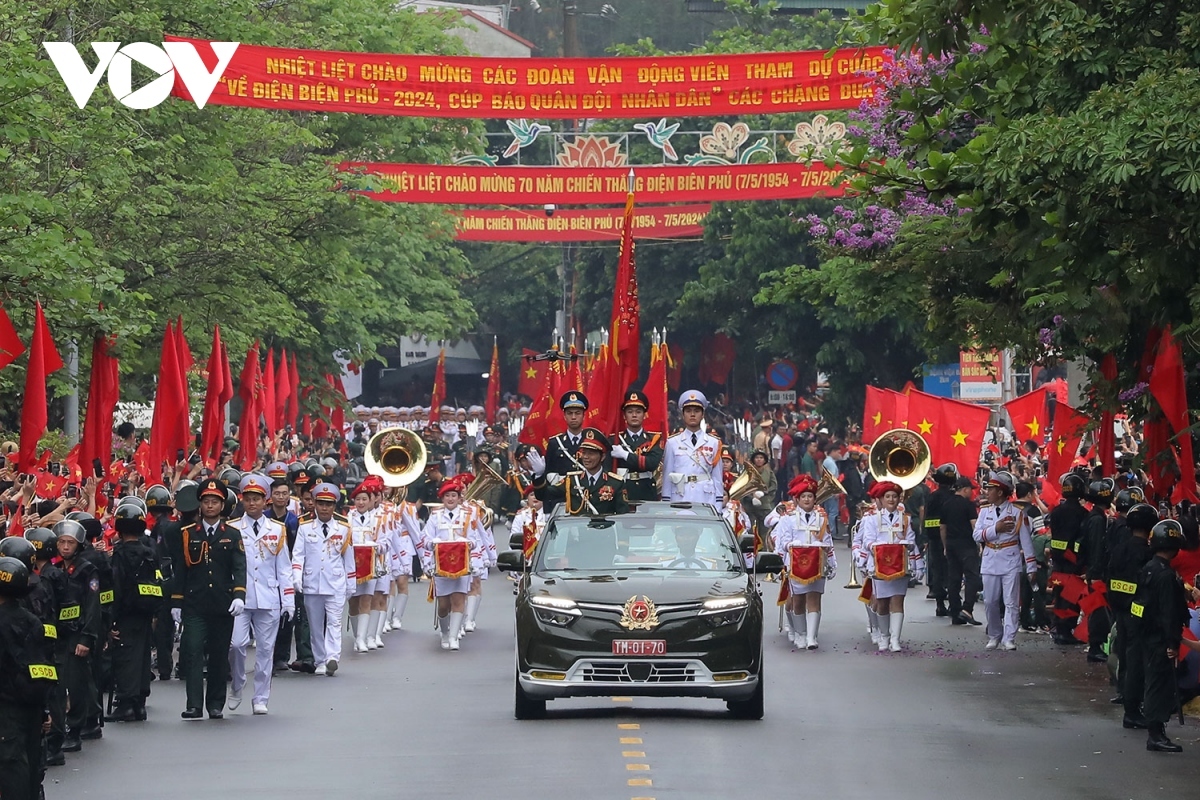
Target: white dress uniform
(410, 541)
(365, 531)
(741, 523)
(445, 525)
(323, 570)
(523, 517)
(1005, 555)
(270, 592)
(692, 468)
(884, 527)
(805, 528)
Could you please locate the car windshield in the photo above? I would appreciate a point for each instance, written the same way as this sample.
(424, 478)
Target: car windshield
(627, 543)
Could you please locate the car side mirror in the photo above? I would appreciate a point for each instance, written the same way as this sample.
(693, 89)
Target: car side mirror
(768, 562)
(746, 543)
(511, 561)
(516, 541)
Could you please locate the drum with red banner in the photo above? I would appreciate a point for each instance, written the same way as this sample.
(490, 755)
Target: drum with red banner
(364, 563)
(452, 559)
(807, 563)
(891, 561)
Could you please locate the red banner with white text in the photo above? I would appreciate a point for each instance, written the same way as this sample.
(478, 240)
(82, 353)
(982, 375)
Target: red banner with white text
(540, 88)
(515, 186)
(572, 225)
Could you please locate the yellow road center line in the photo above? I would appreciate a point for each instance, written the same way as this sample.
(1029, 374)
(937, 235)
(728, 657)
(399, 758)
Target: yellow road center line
(633, 753)
(642, 798)
(637, 767)
(622, 699)
(628, 726)
(640, 782)
(631, 740)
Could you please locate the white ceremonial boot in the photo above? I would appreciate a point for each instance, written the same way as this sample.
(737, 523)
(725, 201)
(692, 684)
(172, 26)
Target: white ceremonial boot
(873, 625)
(369, 636)
(379, 622)
(398, 611)
(897, 626)
(813, 621)
(387, 615)
(787, 625)
(444, 626)
(361, 622)
(456, 621)
(884, 629)
(799, 629)
(472, 610)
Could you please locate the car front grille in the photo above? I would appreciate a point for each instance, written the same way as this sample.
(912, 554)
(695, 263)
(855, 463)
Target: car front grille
(636, 672)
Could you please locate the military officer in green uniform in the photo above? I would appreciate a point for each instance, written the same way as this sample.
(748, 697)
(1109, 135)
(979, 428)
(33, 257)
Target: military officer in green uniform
(209, 584)
(589, 491)
(636, 451)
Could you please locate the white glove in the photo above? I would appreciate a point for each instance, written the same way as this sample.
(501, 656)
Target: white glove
(536, 462)
(620, 452)
(758, 496)
(237, 607)
(289, 612)
(177, 616)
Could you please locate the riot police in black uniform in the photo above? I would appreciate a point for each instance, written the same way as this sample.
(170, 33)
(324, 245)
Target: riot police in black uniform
(82, 638)
(1066, 530)
(47, 599)
(137, 581)
(25, 682)
(160, 503)
(945, 476)
(1125, 564)
(1093, 556)
(1160, 612)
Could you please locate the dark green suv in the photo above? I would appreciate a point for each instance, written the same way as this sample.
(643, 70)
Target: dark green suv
(655, 603)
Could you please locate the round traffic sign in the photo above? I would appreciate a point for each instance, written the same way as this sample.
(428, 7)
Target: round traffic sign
(782, 374)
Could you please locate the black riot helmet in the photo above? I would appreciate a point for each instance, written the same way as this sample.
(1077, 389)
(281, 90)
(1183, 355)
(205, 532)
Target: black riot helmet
(19, 548)
(1167, 535)
(14, 578)
(79, 516)
(1142, 517)
(129, 520)
(70, 528)
(1073, 486)
(132, 500)
(946, 475)
(158, 497)
(1128, 498)
(44, 541)
(1101, 491)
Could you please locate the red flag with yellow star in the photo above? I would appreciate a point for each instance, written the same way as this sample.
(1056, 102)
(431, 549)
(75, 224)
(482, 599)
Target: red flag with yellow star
(532, 374)
(1028, 416)
(1064, 444)
(878, 412)
(960, 439)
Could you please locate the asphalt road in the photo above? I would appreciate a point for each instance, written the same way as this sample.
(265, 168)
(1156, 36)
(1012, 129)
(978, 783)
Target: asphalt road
(943, 719)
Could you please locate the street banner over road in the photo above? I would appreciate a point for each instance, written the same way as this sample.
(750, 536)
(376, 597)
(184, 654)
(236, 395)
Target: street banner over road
(516, 186)
(573, 225)
(540, 88)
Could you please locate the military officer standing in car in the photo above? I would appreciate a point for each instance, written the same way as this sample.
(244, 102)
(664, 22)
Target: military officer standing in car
(209, 584)
(637, 451)
(562, 451)
(692, 459)
(589, 490)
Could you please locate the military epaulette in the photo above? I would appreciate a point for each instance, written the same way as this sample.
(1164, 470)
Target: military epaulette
(342, 518)
(615, 476)
(188, 526)
(307, 518)
(233, 520)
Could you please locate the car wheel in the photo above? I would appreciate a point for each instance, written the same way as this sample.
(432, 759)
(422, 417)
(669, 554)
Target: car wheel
(524, 706)
(751, 707)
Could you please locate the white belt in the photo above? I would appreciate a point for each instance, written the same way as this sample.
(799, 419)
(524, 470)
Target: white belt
(702, 481)
(626, 475)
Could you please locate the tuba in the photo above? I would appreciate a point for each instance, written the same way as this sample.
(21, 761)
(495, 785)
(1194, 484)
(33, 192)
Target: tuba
(748, 482)
(486, 479)
(900, 456)
(829, 486)
(397, 455)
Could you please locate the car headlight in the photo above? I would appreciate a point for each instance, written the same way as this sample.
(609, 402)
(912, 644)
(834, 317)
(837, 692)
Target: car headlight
(719, 611)
(558, 611)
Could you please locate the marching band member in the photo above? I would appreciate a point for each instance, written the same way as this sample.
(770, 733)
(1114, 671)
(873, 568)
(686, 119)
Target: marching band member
(270, 593)
(387, 541)
(475, 596)
(803, 539)
(856, 550)
(637, 453)
(1006, 534)
(452, 574)
(736, 516)
(323, 572)
(692, 458)
(411, 541)
(364, 530)
(887, 542)
(531, 513)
